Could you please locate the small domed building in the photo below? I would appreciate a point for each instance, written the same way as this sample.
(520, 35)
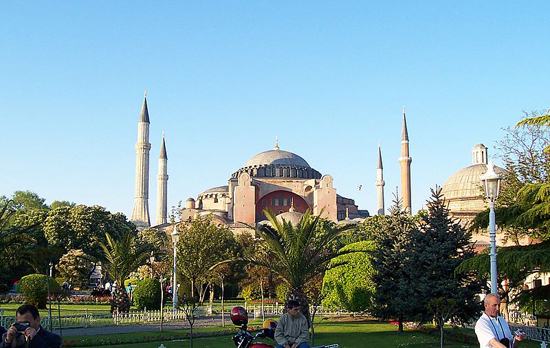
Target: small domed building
(464, 192)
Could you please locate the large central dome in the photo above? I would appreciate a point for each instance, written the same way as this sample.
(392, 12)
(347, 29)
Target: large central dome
(277, 157)
(278, 163)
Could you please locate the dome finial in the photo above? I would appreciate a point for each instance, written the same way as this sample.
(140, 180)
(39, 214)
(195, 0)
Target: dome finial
(292, 206)
(276, 143)
(145, 93)
(347, 213)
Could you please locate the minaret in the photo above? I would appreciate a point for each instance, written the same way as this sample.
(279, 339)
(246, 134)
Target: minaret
(405, 162)
(140, 214)
(380, 183)
(162, 186)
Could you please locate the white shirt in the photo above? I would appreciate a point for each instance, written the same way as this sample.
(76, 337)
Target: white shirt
(488, 328)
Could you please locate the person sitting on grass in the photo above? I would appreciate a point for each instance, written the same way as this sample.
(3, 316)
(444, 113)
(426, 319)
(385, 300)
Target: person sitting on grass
(292, 329)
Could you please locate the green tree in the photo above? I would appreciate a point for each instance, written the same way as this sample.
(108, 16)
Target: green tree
(13, 248)
(439, 244)
(201, 246)
(59, 204)
(393, 277)
(84, 227)
(299, 252)
(348, 281)
(75, 266)
(122, 257)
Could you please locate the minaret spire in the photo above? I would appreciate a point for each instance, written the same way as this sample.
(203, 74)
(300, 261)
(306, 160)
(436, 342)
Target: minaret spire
(405, 162)
(162, 185)
(140, 213)
(380, 183)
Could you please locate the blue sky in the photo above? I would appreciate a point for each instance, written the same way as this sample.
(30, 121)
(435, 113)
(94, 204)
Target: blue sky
(224, 78)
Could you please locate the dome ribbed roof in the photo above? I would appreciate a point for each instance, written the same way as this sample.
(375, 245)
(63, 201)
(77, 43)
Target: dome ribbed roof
(277, 157)
(466, 182)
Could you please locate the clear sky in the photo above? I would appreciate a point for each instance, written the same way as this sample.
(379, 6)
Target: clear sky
(224, 78)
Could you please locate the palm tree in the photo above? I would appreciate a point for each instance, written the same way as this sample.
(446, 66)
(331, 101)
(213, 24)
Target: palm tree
(298, 253)
(122, 257)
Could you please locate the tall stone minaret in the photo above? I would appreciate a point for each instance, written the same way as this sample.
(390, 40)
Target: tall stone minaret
(162, 186)
(380, 183)
(140, 214)
(405, 162)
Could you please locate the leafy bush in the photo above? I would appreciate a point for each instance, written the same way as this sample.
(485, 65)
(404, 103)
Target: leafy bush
(349, 284)
(131, 281)
(281, 292)
(34, 288)
(251, 292)
(147, 294)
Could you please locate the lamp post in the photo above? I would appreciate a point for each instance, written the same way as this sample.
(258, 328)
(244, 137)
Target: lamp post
(175, 239)
(152, 260)
(491, 181)
(49, 296)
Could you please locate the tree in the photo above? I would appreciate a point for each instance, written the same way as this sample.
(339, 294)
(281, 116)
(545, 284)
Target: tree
(75, 266)
(122, 257)
(13, 247)
(523, 208)
(439, 244)
(348, 281)
(201, 246)
(442, 309)
(394, 279)
(298, 253)
(84, 227)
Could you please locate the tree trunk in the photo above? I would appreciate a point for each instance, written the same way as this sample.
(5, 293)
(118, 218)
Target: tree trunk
(401, 324)
(297, 294)
(262, 293)
(192, 288)
(313, 326)
(223, 307)
(211, 298)
(120, 301)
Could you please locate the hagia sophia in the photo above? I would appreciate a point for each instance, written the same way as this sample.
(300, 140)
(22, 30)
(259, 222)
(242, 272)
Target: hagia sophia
(287, 184)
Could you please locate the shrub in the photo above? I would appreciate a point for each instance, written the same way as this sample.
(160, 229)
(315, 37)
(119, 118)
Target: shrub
(131, 281)
(281, 292)
(147, 294)
(34, 288)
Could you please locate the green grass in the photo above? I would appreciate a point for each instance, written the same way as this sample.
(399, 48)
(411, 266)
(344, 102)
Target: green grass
(347, 334)
(66, 309)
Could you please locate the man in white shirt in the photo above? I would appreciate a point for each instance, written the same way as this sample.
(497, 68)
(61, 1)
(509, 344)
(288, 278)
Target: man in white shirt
(491, 329)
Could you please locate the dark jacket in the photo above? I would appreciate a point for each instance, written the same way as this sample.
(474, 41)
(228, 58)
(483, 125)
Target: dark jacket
(43, 339)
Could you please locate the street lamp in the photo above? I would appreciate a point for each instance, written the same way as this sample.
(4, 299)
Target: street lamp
(491, 181)
(175, 239)
(49, 295)
(152, 260)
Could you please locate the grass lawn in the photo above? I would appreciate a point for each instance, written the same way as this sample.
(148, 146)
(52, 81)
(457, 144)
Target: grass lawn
(66, 309)
(347, 334)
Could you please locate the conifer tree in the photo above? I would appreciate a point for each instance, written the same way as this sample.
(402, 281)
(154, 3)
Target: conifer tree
(439, 244)
(393, 278)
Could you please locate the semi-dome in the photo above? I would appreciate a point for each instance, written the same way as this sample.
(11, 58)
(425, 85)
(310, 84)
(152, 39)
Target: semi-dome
(217, 189)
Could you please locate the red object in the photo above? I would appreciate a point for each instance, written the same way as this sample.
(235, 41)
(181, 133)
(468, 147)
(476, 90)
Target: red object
(239, 316)
(260, 345)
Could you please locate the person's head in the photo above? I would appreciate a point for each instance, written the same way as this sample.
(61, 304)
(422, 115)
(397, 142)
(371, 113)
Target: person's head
(293, 308)
(28, 314)
(492, 305)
